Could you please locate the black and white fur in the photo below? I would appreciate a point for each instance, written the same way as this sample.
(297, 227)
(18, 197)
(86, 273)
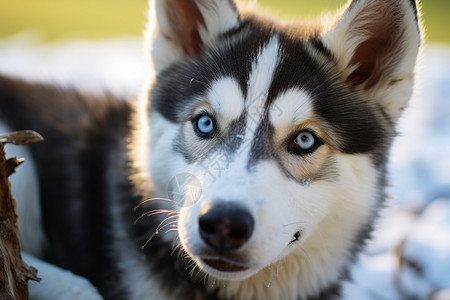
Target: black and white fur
(273, 221)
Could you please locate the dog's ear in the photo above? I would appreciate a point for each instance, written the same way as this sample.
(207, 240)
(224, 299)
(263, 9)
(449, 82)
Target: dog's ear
(376, 44)
(184, 28)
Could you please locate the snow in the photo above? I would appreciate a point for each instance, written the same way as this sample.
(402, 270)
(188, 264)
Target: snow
(409, 256)
(115, 65)
(58, 284)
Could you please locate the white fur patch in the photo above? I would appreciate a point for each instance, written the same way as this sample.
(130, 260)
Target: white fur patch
(290, 108)
(226, 98)
(25, 188)
(163, 169)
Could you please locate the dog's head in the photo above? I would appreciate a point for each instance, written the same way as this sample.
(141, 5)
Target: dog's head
(278, 133)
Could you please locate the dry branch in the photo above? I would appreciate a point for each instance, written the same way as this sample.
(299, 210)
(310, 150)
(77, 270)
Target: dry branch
(14, 278)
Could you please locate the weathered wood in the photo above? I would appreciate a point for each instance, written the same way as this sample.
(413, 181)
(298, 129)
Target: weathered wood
(24, 137)
(15, 273)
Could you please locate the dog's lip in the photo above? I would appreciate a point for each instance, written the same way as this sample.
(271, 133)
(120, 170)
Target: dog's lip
(223, 265)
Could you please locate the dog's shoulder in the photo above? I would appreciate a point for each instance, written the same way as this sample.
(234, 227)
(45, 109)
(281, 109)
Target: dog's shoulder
(45, 106)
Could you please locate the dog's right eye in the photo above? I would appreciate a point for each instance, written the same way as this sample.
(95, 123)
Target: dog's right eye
(304, 142)
(204, 126)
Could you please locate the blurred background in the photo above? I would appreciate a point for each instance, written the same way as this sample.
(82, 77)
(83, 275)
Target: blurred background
(96, 45)
(94, 19)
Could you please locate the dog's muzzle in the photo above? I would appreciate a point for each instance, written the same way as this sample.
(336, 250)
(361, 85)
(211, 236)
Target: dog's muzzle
(225, 227)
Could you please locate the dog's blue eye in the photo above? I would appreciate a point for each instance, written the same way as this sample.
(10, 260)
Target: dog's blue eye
(204, 125)
(305, 142)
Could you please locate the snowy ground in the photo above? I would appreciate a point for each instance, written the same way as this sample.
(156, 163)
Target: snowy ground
(409, 257)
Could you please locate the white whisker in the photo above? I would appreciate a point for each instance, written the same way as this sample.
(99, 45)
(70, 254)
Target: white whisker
(153, 199)
(155, 212)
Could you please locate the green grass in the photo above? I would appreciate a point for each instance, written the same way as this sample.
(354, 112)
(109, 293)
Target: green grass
(58, 19)
(436, 13)
(93, 19)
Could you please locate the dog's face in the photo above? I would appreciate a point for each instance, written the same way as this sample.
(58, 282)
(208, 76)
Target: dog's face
(279, 132)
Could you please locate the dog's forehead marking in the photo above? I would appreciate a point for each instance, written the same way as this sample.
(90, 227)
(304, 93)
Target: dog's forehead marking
(231, 104)
(260, 80)
(290, 108)
(226, 98)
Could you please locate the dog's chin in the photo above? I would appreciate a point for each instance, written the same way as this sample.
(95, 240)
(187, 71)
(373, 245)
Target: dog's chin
(224, 269)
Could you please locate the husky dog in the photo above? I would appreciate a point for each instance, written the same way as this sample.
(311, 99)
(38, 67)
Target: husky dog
(253, 167)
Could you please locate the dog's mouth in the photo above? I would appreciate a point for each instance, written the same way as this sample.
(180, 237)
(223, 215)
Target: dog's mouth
(224, 266)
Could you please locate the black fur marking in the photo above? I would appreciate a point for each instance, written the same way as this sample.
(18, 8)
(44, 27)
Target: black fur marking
(414, 6)
(332, 292)
(352, 6)
(320, 47)
(262, 148)
(295, 238)
(235, 135)
(235, 30)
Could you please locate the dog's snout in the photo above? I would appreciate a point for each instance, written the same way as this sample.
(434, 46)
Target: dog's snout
(225, 227)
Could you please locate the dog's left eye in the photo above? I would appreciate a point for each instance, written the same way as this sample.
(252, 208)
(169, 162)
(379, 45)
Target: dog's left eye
(305, 142)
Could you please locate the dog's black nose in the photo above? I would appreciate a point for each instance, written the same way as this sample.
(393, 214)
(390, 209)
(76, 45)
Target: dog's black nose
(225, 227)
